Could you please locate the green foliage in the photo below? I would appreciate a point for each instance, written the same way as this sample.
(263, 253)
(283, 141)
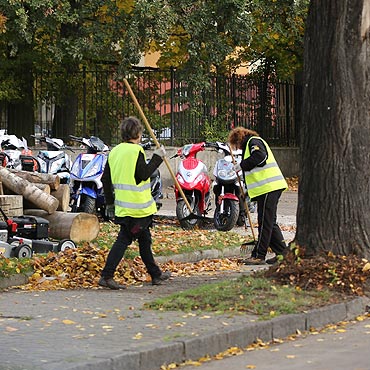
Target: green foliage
(245, 295)
(217, 130)
(11, 266)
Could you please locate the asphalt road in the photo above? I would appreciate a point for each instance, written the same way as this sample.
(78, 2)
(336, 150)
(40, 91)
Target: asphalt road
(339, 348)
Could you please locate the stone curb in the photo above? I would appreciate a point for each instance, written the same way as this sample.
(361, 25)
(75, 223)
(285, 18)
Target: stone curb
(153, 357)
(13, 280)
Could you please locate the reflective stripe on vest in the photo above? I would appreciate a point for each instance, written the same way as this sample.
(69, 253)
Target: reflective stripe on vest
(262, 180)
(131, 199)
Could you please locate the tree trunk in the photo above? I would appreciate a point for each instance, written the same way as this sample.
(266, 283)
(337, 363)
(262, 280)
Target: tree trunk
(44, 187)
(334, 187)
(63, 194)
(66, 225)
(40, 178)
(29, 191)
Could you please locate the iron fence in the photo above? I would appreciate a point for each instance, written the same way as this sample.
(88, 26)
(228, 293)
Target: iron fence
(94, 102)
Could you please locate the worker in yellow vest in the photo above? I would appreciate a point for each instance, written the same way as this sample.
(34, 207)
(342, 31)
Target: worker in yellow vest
(126, 183)
(265, 184)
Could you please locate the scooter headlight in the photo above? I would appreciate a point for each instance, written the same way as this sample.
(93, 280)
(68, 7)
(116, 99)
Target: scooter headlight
(226, 174)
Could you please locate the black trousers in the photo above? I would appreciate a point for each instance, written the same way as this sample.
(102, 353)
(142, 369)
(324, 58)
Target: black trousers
(269, 233)
(132, 229)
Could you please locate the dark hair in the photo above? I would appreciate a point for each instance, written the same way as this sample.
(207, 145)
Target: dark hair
(237, 136)
(131, 128)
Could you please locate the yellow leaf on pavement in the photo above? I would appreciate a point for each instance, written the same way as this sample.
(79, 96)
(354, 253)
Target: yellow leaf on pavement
(68, 322)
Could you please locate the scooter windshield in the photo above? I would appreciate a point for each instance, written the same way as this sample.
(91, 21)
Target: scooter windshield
(97, 143)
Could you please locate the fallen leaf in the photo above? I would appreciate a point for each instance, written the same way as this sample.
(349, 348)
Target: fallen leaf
(68, 322)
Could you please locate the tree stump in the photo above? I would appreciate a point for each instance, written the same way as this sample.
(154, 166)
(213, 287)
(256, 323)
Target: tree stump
(67, 225)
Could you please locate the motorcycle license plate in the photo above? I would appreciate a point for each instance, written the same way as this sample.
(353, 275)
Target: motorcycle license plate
(2, 250)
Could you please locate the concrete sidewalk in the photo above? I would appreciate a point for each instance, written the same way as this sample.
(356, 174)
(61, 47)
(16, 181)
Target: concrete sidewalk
(103, 329)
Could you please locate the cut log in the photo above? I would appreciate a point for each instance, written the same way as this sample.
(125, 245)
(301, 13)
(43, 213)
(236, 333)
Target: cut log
(28, 204)
(63, 194)
(12, 205)
(67, 225)
(44, 187)
(28, 190)
(39, 178)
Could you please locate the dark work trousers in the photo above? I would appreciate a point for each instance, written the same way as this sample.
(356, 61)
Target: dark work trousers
(132, 229)
(269, 233)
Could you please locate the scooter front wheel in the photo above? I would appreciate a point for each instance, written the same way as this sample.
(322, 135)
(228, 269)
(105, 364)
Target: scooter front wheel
(183, 213)
(226, 221)
(87, 205)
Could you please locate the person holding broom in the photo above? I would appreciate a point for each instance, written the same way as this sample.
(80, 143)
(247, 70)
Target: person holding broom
(126, 183)
(265, 183)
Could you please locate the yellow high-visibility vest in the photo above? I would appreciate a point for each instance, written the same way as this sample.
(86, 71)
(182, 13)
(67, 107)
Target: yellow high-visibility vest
(262, 180)
(131, 199)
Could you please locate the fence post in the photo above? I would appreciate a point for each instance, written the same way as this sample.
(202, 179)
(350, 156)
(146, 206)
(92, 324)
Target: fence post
(172, 103)
(84, 100)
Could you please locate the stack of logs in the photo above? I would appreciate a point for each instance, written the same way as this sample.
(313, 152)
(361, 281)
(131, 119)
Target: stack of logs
(42, 195)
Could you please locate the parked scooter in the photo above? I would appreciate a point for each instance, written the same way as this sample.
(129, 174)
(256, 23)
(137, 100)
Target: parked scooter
(155, 178)
(86, 172)
(230, 206)
(54, 159)
(12, 148)
(192, 175)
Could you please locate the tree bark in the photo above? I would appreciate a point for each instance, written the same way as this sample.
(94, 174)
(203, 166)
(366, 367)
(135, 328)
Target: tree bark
(63, 194)
(334, 187)
(67, 225)
(44, 187)
(29, 191)
(38, 178)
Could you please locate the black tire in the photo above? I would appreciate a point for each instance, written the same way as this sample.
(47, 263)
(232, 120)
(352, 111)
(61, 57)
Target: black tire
(182, 211)
(66, 244)
(23, 251)
(88, 204)
(227, 220)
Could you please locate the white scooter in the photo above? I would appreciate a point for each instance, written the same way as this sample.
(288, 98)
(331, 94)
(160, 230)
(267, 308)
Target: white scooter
(54, 159)
(228, 193)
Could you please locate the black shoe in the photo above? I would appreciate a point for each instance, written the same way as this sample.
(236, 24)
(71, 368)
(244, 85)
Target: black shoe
(162, 277)
(110, 283)
(272, 261)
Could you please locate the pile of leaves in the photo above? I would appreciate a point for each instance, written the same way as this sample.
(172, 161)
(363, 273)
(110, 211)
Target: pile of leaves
(81, 268)
(346, 275)
(169, 238)
(292, 183)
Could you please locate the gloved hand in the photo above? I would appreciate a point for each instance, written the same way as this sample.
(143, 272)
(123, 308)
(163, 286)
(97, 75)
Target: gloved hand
(161, 151)
(237, 168)
(109, 211)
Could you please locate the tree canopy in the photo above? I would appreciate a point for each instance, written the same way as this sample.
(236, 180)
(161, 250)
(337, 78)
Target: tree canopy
(196, 36)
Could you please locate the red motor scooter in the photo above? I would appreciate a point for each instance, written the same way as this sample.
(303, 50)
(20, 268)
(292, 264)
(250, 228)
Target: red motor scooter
(192, 176)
